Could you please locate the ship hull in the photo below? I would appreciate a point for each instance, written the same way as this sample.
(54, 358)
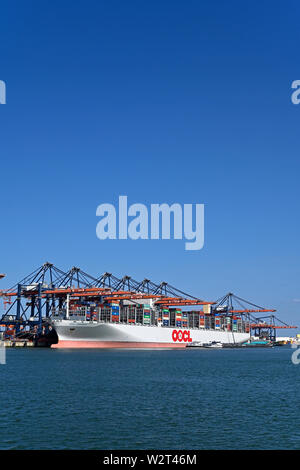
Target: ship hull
(73, 334)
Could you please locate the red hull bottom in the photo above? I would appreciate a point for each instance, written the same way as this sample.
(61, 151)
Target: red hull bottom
(115, 344)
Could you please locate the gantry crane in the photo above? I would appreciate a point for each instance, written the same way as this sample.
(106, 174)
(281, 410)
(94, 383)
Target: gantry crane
(265, 326)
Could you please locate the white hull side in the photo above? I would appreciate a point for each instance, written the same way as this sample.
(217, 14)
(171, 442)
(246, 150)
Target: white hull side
(93, 334)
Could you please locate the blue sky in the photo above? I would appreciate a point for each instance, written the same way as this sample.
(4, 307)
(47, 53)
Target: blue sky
(162, 101)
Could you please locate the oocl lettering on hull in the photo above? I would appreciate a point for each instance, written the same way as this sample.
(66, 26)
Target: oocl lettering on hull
(179, 335)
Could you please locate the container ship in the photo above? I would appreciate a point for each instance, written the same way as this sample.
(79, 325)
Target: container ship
(144, 325)
(72, 309)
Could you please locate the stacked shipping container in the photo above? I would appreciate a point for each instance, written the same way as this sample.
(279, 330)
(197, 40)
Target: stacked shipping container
(144, 314)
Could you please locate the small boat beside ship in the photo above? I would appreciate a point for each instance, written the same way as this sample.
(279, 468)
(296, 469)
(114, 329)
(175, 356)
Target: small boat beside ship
(211, 344)
(261, 343)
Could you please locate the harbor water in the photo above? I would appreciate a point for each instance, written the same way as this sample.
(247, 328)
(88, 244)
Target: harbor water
(149, 399)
